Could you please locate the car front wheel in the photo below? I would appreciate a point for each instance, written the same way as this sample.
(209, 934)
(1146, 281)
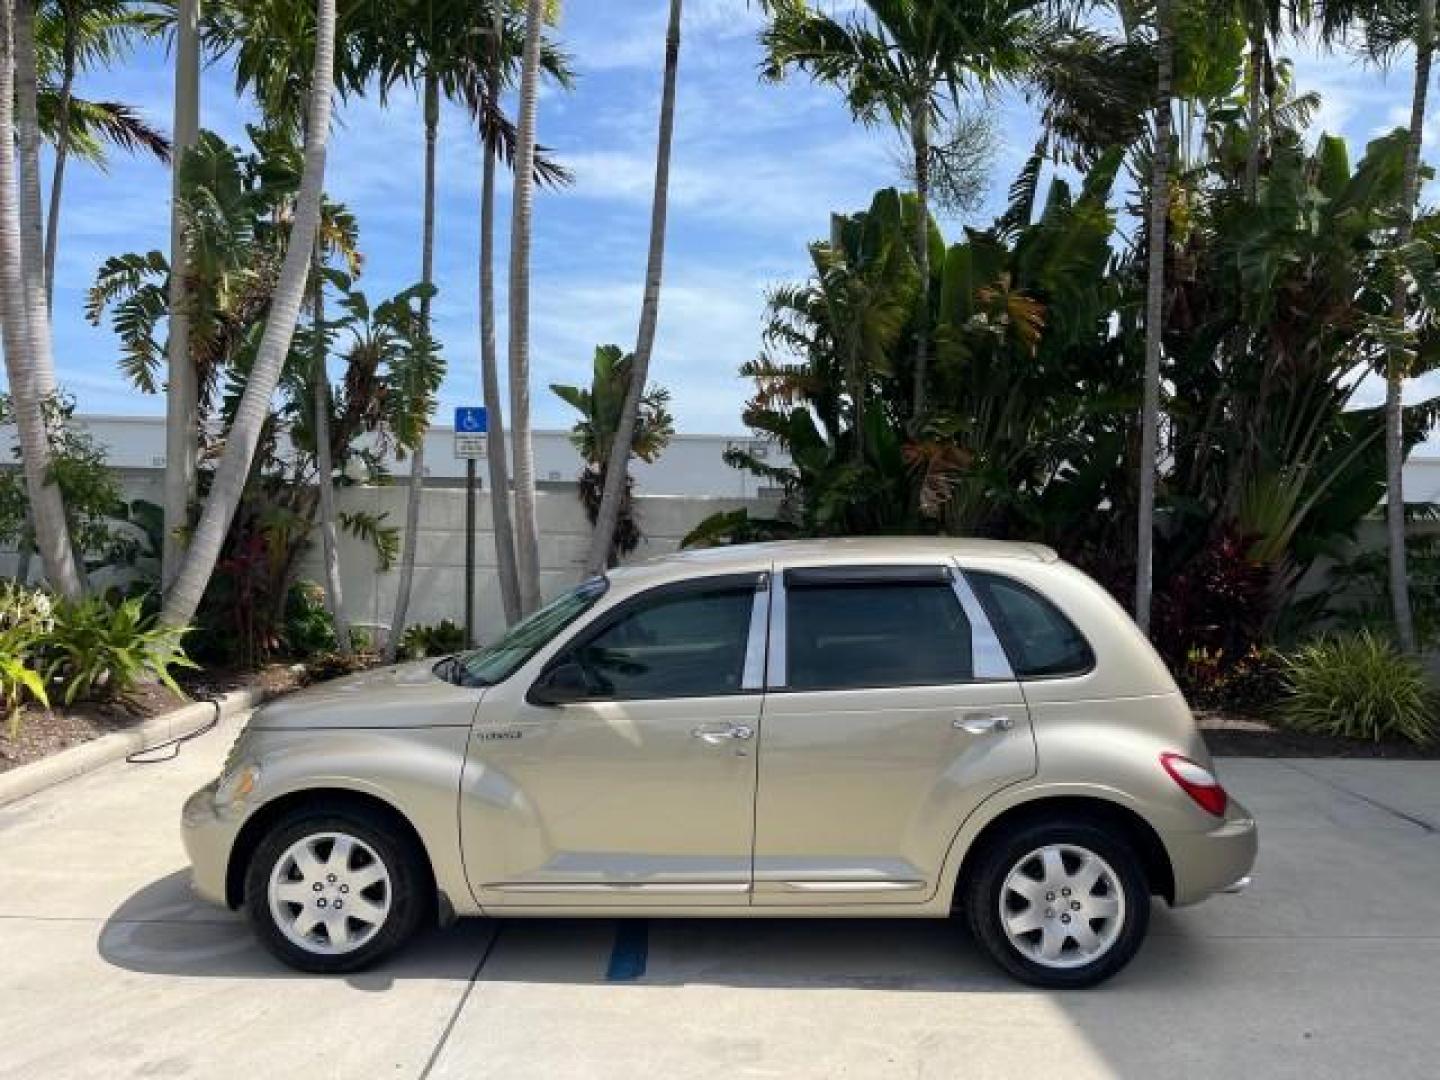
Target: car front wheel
(333, 892)
(1059, 905)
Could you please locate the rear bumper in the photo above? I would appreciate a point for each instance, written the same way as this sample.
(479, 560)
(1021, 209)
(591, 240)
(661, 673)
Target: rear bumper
(1214, 861)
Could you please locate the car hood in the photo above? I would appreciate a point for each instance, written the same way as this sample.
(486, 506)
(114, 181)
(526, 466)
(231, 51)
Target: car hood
(402, 695)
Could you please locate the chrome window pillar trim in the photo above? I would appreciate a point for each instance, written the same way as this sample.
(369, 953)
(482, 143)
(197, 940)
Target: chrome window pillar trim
(988, 655)
(754, 675)
(775, 672)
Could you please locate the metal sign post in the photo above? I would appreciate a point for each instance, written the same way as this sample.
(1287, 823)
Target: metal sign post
(471, 443)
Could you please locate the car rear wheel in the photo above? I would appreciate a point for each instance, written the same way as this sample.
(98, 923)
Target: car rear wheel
(333, 892)
(1061, 905)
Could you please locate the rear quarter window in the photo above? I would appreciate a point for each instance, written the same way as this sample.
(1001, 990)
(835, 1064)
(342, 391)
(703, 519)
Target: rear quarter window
(1040, 640)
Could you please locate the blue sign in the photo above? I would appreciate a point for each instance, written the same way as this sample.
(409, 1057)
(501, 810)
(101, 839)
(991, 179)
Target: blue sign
(470, 420)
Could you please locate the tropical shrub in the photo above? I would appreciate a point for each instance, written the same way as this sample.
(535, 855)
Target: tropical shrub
(332, 665)
(600, 408)
(1277, 311)
(443, 638)
(309, 628)
(1250, 683)
(1209, 619)
(25, 620)
(1358, 686)
(100, 649)
(1359, 589)
(95, 510)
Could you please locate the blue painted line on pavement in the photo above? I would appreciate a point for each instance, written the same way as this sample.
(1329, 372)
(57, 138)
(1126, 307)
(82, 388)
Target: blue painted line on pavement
(632, 948)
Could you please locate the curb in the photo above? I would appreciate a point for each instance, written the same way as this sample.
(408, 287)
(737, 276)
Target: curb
(29, 779)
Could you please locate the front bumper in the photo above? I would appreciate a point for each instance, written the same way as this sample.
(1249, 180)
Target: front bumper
(1214, 861)
(208, 835)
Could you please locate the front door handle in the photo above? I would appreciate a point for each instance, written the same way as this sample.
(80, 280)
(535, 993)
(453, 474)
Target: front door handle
(983, 723)
(717, 734)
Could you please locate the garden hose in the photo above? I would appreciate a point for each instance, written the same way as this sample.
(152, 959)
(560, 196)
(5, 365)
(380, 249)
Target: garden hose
(145, 756)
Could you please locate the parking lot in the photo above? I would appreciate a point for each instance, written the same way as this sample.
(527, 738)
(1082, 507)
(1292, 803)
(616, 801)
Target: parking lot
(1329, 966)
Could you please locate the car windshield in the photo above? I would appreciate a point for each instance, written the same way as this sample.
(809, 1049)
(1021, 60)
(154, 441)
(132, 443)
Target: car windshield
(500, 659)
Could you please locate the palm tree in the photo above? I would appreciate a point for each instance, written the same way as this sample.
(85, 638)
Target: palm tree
(616, 474)
(501, 525)
(1262, 23)
(324, 467)
(1388, 26)
(30, 383)
(182, 395)
(1424, 41)
(602, 408)
(1158, 215)
(527, 556)
(1387, 29)
(461, 54)
(183, 597)
(417, 455)
(907, 64)
(89, 32)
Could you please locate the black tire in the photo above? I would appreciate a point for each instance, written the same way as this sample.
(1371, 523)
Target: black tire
(981, 898)
(409, 890)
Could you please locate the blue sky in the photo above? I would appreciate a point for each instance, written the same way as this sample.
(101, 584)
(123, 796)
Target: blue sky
(757, 169)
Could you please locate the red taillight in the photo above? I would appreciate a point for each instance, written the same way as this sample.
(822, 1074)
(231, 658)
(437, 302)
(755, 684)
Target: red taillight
(1196, 781)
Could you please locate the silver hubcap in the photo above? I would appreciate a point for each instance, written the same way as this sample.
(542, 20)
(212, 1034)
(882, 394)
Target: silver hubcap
(1062, 906)
(330, 893)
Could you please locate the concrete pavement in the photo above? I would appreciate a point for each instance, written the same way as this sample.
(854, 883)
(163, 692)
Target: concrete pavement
(1330, 966)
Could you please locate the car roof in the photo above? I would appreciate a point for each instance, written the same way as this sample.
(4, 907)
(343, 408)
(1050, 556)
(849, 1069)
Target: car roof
(740, 558)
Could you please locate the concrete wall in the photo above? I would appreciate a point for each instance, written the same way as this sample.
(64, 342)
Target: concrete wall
(693, 464)
(438, 590)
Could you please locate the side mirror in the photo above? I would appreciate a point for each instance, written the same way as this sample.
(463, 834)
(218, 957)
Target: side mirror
(561, 685)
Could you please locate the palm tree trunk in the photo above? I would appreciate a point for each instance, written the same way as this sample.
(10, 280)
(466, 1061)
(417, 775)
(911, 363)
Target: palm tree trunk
(417, 457)
(30, 383)
(62, 146)
(1396, 366)
(183, 597)
(920, 145)
(32, 221)
(324, 467)
(602, 542)
(1159, 215)
(182, 409)
(527, 555)
(1254, 75)
(489, 360)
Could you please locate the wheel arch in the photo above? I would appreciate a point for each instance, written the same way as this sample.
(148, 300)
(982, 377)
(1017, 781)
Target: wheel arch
(327, 799)
(1139, 833)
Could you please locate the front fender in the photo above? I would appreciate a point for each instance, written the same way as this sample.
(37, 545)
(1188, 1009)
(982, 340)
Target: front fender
(414, 770)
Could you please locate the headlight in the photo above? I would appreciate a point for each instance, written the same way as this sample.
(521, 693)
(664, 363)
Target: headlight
(237, 784)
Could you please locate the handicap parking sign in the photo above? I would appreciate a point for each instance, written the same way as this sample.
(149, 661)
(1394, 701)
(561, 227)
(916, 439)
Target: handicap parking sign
(470, 428)
(470, 420)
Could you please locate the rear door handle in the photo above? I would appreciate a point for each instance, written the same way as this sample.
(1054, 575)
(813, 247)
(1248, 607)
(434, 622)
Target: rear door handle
(982, 723)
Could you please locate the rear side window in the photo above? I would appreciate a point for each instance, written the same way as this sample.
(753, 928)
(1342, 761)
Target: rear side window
(1041, 642)
(855, 635)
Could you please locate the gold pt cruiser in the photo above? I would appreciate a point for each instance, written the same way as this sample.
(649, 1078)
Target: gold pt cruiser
(906, 728)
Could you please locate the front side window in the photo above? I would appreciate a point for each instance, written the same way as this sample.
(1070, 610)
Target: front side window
(498, 661)
(690, 642)
(852, 635)
(1041, 642)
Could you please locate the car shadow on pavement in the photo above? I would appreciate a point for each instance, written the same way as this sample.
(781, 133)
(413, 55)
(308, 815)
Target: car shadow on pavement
(163, 930)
